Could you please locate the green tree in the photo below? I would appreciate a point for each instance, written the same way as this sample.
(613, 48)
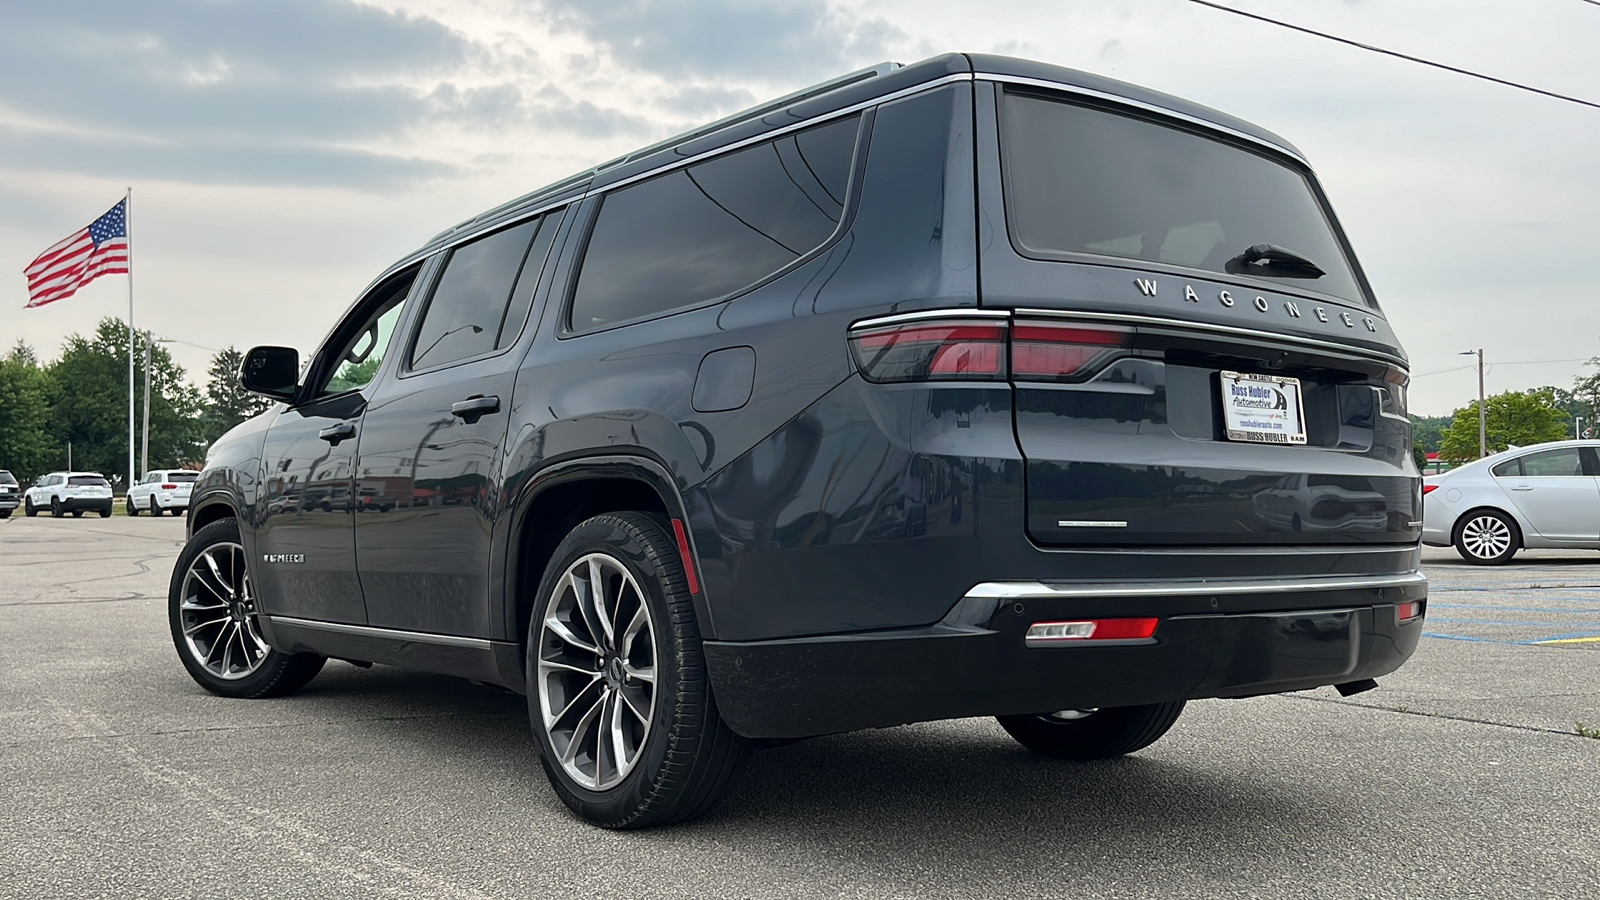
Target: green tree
(1427, 430)
(89, 397)
(26, 448)
(227, 404)
(1514, 417)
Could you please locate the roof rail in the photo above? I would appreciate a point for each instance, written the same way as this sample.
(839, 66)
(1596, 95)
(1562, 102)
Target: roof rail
(815, 90)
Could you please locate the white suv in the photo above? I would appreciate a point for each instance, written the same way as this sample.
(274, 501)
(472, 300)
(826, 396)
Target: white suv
(68, 492)
(164, 490)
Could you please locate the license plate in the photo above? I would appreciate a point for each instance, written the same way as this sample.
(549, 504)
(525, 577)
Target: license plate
(1262, 409)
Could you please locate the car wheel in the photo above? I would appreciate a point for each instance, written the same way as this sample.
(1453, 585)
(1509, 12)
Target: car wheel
(77, 514)
(5, 513)
(105, 512)
(28, 509)
(1487, 537)
(211, 606)
(620, 702)
(55, 507)
(1093, 733)
(130, 507)
(155, 510)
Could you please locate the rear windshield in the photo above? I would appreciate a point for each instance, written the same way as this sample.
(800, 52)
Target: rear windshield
(7, 477)
(1086, 181)
(182, 477)
(88, 481)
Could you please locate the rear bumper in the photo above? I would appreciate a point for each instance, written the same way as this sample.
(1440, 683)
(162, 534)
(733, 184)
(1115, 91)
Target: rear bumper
(10, 501)
(90, 503)
(1215, 639)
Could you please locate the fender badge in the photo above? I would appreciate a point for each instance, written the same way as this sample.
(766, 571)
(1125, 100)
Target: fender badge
(283, 557)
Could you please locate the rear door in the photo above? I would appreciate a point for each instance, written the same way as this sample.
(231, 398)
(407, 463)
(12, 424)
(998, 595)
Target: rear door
(428, 484)
(1195, 354)
(1555, 491)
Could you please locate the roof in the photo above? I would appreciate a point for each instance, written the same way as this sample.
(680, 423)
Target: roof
(864, 86)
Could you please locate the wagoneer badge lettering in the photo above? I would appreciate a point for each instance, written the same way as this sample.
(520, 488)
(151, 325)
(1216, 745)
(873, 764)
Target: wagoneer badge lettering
(1148, 287)
(283, 557)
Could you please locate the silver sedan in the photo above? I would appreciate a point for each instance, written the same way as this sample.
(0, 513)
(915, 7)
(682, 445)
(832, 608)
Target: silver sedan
(1544, 496)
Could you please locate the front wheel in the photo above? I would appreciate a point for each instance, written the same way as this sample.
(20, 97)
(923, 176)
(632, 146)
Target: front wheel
(211, 606)
(28, 509)
(1095, 733)
(618, 695)
(130, 508)
(1487, 537)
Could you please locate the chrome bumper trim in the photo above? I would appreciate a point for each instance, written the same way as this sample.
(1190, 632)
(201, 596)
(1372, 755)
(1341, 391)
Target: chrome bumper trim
(1022, 590)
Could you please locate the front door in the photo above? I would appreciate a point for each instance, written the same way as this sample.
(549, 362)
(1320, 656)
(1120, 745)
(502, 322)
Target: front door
(305, 542)
(430, 462)
(1555, 491)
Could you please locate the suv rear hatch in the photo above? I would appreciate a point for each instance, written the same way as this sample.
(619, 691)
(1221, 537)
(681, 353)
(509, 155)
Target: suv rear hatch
(1196, 357)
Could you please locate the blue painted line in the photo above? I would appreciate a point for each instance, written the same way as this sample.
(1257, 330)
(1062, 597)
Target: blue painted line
(1463, 637)
(1551, 609)
(1558, 637)
(1504, 622)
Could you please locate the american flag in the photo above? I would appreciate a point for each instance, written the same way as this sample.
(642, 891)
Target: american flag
(71, 263)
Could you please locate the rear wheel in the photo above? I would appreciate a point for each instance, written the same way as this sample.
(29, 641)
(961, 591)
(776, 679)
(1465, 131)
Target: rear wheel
(105, 512)
(211, 607)
(1093, 733)
(1487, 537)
(55, 507)
(5, 513)
(618, 694)
(77, 514)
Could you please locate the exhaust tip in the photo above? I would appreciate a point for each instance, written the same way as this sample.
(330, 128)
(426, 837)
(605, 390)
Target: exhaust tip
(1350, 688)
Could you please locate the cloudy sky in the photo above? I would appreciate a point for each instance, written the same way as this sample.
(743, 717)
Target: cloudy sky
(282, 153)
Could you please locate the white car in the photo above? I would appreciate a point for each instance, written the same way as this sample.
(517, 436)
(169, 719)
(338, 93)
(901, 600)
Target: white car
(68, 492)
(1544, 496)
(162, 490)
(1322, 503)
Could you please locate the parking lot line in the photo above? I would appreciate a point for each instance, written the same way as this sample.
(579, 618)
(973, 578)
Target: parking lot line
(1579, 638)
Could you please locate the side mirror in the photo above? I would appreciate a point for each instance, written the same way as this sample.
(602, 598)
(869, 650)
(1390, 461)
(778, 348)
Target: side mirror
(271, 372)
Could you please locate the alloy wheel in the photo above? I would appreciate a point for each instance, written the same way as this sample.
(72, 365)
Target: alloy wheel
(218, 613)
(1486, 536)
(597, 671)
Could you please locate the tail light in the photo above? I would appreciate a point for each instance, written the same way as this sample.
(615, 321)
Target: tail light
(169, 487)
(987, 349)
(1044, 634)
(1409, 611)
(1428, 489)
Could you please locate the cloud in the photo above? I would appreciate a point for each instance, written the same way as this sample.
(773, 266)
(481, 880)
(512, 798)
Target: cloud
(740, 38)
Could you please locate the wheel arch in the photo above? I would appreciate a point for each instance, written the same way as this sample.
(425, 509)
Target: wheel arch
(560, 496)
(210, 509)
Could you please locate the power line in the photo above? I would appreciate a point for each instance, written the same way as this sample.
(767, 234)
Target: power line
(1520, 362)
(1415, 59)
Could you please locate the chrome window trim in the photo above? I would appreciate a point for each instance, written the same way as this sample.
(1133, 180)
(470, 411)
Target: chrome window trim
(962, 312)
(1022, 590)
(392, 634)
(1147, 107)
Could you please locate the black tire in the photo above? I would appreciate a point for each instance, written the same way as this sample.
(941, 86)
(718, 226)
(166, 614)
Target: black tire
(688, 758)
(28, 509)
(77, 514)
(55, 507)
(105, 512)
(1486, 537)
(275, 673)
(155, 511)
(1099, 734)
(5, 513)
(130, 507)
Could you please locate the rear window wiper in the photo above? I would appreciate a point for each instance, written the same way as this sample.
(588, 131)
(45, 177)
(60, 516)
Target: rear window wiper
(1282, 261)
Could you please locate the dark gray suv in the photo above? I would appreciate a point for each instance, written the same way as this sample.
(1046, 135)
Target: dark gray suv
(977, 387)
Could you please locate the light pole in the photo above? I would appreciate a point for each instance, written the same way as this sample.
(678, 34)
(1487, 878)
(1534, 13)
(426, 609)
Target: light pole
(144, 452)
(1483, 433)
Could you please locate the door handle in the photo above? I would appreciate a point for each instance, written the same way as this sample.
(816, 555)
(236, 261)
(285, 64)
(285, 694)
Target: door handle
(472, 408)
(333, 434)
(1522, 487)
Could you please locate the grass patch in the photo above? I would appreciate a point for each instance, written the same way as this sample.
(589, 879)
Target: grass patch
(1588, 731)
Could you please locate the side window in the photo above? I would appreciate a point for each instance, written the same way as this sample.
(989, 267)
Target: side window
(470, 302)
(1511, 468)
(702, 232)
(357, 361)
(1552, 463)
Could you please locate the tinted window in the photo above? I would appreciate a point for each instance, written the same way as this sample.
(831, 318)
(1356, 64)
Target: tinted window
(7, 477)
(88, 481)
(469, 303)
(522, 295)
(1508, 469)
(1552, 463)
(1081, 180)
(182, 477)
(703, 232)
(363, 352)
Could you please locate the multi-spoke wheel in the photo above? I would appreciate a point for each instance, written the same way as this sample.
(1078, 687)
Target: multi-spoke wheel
(627, 729)
(1093, 733)
(1487, 537)
(216, 624)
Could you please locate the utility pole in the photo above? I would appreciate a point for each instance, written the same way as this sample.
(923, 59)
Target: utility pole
(1483, 432)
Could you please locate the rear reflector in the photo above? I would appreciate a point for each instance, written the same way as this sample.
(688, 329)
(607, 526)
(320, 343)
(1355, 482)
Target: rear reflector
(685, 557)
(1409, 611)
(1047, 633)
(1429, 488)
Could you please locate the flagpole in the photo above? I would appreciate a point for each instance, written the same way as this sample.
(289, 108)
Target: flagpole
(127, 211)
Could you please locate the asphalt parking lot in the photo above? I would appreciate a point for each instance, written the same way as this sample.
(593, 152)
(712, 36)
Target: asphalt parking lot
(1463, 776)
